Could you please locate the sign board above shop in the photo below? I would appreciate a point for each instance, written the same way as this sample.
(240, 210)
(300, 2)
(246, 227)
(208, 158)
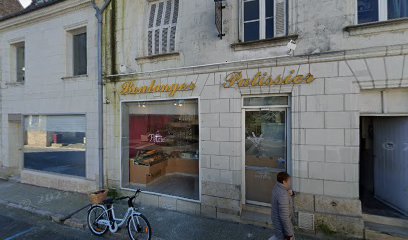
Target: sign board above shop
(172, 89)
(265, 79)
(234, 79)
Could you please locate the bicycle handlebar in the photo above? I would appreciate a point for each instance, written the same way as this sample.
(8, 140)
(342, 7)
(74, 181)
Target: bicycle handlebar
(130, 198)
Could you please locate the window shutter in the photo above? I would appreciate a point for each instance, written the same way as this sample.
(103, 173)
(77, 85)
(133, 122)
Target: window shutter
(280, 18)
(162, 27)
(150, 32)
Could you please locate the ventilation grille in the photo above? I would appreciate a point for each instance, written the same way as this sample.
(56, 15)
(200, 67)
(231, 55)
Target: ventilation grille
(306, 221)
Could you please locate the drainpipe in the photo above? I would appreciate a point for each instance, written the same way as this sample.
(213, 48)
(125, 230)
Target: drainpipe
(99, 17)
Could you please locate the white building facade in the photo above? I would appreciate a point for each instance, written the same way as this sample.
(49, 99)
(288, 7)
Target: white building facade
(204, 123)
(48, 96)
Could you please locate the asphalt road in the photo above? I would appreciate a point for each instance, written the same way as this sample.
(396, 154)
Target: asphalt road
(17, 225)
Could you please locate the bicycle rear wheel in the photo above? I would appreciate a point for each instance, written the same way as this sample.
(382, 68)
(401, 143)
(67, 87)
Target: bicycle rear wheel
(97, 220)
(139, 228)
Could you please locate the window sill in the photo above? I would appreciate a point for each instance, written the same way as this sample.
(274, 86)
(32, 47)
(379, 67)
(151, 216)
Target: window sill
(158, 57)
(264, 43)
(14, 83)
(75, 77)
(376, 27)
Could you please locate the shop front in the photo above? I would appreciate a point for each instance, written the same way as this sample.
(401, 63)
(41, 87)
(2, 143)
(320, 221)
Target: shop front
(214, 139)
(210, 140)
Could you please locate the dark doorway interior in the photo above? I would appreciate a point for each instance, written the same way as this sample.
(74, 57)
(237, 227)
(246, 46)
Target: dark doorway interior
(369, 174)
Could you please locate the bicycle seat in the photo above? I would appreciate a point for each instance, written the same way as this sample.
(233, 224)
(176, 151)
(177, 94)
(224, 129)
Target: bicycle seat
(108, 201)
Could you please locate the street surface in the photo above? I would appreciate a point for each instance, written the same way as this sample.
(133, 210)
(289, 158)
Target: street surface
(18, 224)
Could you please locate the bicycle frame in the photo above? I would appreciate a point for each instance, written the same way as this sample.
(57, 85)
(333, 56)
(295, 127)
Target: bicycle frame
(116, 223)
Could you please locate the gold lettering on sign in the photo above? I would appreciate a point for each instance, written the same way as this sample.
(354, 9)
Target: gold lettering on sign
(266, 79)
(172, 89)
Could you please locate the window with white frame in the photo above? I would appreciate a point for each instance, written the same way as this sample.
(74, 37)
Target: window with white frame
(381, 10)
(18, 62)
(162, 24)
(77, 58)
(264, 19)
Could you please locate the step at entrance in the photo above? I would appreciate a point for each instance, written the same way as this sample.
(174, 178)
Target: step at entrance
(256, 215)
(385, 228)
(375, 231)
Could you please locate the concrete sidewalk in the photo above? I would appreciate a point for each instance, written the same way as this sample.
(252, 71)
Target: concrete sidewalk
(55, 204)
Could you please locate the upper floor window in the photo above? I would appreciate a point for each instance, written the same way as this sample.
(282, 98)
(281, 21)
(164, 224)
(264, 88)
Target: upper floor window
(381, 10)
(263, 19)
(161, 34)
(79, 54)
(18, 62)
(76, 52)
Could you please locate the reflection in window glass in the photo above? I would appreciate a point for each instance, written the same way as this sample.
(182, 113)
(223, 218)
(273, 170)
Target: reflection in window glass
(160, 147)
(55, 144)
(251, 31)
(367, 11)
(80, 56)
(20, 53)
(397, 9)
(251, 10)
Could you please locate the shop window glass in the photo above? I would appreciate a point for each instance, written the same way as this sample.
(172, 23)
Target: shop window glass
(55, 144)
(160, 147)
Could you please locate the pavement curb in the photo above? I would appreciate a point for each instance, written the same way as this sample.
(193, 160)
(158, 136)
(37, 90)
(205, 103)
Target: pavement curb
(55, 217)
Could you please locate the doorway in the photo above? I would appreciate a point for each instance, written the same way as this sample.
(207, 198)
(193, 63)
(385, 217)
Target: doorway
(15, 141)
(265, 147)
(384, 165)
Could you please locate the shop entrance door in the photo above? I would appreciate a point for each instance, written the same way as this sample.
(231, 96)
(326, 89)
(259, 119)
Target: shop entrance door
(265, 152)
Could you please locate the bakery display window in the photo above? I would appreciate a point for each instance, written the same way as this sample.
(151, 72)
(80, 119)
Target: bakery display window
(160, 147)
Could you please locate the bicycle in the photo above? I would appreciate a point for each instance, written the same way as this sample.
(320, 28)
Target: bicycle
(101, 218)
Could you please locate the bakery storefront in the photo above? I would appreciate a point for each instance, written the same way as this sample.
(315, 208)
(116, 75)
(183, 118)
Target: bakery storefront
(198, 137)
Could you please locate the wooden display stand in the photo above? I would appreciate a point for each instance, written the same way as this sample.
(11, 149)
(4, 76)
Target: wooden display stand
(143, 174)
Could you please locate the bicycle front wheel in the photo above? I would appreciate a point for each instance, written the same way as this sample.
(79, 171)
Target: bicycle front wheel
(98, 220)
(139, 228)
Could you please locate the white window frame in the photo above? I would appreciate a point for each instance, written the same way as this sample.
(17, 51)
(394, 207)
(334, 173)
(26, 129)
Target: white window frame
(262, 19)
(14, 45)
(70, 32)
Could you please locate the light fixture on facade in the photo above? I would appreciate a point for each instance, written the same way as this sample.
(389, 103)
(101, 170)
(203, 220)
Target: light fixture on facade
(291, 46)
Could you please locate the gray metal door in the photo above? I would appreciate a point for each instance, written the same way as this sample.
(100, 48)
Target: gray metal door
(391, 161)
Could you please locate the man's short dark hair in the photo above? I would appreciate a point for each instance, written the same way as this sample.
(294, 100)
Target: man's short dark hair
(282, 176)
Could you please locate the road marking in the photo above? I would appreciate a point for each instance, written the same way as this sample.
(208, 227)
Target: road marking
(19, 234)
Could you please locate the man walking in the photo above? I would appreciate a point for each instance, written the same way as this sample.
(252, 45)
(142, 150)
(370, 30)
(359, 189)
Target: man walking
(282, 208)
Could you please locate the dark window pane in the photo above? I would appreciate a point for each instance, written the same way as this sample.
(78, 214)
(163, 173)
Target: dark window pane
(367, 11)
(269, 8)
(397, 9)
(20, 63)
(80, 56)
(251, 31)
(269, 28)
(251, 10)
